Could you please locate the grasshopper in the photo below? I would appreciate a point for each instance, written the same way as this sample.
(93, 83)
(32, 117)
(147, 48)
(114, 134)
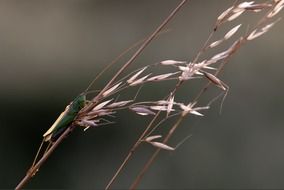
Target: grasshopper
(65, 118)
(62, 122)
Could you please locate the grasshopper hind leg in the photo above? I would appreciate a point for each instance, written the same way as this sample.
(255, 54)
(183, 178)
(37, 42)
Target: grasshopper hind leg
(57, 134)
(39, 151)
(37, 154)
(32, 170)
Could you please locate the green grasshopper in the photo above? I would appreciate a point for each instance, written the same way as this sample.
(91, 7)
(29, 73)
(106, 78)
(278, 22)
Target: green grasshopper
(62, 122)
(65, 118)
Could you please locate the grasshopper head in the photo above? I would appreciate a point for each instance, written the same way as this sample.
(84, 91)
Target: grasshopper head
(78, 103)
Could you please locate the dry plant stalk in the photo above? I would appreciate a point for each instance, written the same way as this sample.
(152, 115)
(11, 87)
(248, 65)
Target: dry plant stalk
(100, 108)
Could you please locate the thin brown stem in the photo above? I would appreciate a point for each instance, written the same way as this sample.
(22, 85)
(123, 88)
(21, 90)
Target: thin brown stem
(204, 47)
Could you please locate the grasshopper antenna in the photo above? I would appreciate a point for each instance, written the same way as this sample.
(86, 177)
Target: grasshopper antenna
(183, 141)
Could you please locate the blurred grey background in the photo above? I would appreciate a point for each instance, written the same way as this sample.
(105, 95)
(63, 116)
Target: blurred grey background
(51, 50)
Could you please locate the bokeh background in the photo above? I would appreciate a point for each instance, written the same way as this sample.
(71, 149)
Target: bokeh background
(51, 50)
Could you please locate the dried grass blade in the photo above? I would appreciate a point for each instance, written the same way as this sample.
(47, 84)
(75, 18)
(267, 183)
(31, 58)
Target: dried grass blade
(119, 104)
(109, 91)
(150, 138)
(101, 105)
(142, 111)
(139, 81)
(216, 43)
(214, 80)
(237, 13)
(232, 32)
(162, 146)
(161, 77)
(136, 75)
(172, 62)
